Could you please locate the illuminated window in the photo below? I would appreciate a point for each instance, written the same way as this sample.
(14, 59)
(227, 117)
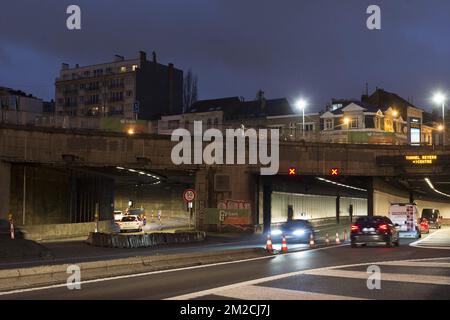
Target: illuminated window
(354, 123)
(123, 69)
(134, 67)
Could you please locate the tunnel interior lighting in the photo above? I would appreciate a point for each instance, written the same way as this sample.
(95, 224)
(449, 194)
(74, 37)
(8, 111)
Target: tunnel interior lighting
(341, 184)
(120, 168)
(430, 184)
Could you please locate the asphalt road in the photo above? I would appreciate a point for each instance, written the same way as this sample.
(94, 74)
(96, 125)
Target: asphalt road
(78, 251)
(329, 273)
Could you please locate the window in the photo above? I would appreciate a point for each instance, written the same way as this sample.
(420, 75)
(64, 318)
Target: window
(354, 123)
(98, 72)
(87, 73)
(129, 93)
(329, 124)
(134, 67)
(309, 127)
(123, 69)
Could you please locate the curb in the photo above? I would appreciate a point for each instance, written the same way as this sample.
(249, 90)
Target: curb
(25, 278)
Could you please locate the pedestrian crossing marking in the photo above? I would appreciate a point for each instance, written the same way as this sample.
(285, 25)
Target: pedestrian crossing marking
(417, 264)
(398, 277)
(270, 293)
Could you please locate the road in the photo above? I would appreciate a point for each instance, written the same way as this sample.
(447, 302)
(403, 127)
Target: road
(407, 272)
(79, 251)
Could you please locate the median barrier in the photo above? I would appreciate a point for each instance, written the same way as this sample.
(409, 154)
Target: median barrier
(123, 241)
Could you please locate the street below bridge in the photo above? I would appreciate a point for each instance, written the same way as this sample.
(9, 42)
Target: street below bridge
(415, 270)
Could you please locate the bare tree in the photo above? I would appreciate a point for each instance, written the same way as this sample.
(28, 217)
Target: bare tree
(190, 90)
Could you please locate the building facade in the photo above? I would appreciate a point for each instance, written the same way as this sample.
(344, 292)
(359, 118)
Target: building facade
(128, 89)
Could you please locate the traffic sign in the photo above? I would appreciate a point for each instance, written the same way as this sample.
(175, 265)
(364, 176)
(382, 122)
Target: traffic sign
(136, 107)
(334, 172)
(189, 195)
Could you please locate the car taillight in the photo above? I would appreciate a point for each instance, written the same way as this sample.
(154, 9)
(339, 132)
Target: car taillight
(383, 227)
(354, 228)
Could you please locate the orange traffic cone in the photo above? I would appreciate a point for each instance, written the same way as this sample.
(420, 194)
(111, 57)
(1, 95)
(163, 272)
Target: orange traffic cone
(345, 235)
(269, 247)
(284, 247)
(327, 239)
(311, 240)
(338, 241)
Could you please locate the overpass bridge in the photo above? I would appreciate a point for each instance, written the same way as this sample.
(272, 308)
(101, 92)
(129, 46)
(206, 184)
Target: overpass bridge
(57, 175)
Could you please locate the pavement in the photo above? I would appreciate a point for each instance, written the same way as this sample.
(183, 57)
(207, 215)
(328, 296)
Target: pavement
(334, 272)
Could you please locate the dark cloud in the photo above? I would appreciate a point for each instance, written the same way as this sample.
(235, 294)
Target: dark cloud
(318, 49)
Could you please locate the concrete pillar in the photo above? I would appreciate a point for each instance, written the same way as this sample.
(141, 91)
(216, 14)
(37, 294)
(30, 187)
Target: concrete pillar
(267, 206)
(370, 204)
(5, 187)
(338, 209)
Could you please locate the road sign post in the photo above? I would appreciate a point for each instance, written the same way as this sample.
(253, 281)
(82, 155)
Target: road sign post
(189, 197)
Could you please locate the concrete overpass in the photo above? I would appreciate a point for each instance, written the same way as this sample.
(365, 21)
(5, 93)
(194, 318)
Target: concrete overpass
(98, 155)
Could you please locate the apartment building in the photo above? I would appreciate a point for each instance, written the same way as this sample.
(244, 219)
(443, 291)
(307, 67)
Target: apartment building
(128, 89)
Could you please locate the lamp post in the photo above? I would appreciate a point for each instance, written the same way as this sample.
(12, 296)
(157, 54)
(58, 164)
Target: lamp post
(439, 98)
(301, 105)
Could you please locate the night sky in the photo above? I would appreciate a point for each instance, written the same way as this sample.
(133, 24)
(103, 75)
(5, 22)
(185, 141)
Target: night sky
(316, 49)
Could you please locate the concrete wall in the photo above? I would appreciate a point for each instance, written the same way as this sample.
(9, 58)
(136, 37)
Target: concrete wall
(58, 195)
(61, 231)
(5, 182)
(313, 206)
(168, 198)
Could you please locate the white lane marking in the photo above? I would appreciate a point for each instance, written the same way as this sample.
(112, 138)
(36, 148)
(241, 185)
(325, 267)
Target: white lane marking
(269, 293)
(155, 272)
(399, 277)
(418, 264)
(421, 243)
(216, 290)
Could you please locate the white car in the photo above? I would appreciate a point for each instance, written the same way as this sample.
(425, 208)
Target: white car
(130, 223)
(118, 215)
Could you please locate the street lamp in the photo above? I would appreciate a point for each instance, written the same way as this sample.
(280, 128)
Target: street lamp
(301, 105)
(440, 98)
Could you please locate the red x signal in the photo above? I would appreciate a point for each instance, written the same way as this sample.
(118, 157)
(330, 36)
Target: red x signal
(292, 171)
(334, 171)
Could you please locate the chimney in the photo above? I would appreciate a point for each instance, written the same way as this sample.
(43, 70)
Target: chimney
(142, 56)
(260, 97)
(118, 58)
(77, 65)
(171, 87)
(64, 66)
(154, 57)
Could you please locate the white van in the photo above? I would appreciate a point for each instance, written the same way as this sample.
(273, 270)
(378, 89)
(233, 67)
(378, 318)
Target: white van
(405, 217)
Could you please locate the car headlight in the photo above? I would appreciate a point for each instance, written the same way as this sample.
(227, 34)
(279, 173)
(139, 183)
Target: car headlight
(299, 232)
(276, 232)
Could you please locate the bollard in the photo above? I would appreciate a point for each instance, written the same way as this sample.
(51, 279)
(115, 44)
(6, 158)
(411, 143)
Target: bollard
(311, 240)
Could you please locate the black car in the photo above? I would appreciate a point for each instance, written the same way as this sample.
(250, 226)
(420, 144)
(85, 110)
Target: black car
(376, 229)
(294, 229)
(433, 217)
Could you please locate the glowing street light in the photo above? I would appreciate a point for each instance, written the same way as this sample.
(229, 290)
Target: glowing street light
(395, 113)
(440, 127)
(346, 121)
(301, 104)
(130, 131)
(439, 98)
